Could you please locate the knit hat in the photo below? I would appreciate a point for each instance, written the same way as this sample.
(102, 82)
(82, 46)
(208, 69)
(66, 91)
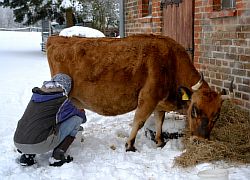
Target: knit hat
(59, 80)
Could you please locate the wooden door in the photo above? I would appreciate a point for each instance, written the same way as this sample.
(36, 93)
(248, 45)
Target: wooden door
(178, 22)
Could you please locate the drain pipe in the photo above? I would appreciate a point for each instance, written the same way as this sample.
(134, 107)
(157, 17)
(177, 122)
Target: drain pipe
(121, 10)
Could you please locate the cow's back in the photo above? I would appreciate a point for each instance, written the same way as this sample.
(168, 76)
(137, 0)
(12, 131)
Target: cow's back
(108, 73)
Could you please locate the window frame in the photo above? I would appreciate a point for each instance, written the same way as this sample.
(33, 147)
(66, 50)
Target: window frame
(217, 11)
(218, 5)
(146, 8)
(231, 6)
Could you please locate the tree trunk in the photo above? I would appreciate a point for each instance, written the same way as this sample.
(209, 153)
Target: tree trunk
(69, 17)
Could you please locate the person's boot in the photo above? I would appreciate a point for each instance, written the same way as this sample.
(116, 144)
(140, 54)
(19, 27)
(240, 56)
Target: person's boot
(27, 159)
(58, 156)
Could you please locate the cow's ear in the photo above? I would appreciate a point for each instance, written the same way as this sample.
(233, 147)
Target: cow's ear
(184, 93)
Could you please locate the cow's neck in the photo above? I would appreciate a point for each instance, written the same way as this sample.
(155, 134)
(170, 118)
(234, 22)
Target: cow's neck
(187, 75)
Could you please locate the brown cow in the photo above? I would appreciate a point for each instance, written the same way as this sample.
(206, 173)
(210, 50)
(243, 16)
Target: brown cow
(144, 72)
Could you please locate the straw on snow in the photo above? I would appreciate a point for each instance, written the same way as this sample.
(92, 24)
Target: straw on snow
(230, 140)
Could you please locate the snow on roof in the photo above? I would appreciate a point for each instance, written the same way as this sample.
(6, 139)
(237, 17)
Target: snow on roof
(54, 23)
(81, 31)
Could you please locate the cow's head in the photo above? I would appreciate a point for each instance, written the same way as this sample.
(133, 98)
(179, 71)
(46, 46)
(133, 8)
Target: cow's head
(204, 109)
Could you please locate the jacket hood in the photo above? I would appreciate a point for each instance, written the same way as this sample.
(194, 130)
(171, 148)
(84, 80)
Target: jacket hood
(59, 80)
(40, 96)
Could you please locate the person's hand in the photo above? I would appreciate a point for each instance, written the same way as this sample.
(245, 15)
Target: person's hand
(82, 110)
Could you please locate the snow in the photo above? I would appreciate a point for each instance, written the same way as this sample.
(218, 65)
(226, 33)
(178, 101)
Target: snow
(66, 4)
(98, 151)
(81, 31)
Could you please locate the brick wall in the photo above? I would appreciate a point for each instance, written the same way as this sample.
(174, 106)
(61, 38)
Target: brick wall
(222, 46)
(137, 17)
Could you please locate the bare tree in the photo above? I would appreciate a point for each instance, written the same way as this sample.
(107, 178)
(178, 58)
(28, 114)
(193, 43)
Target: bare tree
(102, 13)
(7, 18)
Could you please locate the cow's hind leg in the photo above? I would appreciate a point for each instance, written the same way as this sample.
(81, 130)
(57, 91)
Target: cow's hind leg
(146, 105)
(159, 118)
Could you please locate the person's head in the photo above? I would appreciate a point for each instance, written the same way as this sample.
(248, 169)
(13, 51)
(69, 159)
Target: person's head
(59, 81)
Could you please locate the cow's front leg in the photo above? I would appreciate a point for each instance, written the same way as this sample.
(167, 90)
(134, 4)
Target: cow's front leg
(145, 107)
(159, 118)
(131, 140)
(138, 123)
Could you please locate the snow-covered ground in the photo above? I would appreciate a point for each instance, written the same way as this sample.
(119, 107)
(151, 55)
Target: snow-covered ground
(99, 151)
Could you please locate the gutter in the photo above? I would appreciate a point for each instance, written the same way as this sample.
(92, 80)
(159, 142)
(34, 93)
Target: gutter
(121, 25)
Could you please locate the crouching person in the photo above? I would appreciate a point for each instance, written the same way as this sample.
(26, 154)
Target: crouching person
(50, 122)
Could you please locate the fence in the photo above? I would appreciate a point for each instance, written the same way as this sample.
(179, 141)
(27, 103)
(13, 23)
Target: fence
(25, 29)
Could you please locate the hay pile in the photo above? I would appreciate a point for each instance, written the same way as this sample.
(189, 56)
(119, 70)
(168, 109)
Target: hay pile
(229, 141)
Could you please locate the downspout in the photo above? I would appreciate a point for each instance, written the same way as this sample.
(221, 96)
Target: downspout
(121, 10)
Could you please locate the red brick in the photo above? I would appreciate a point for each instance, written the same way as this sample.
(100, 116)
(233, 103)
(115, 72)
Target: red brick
(196, 35)
(239, 80)
(240, 5)
(245, 28)
(218, 76)
(219, 55)
(244, 88)
(246, 65)
(226, 42)
(239, 72)
(247, 51)
(216, 82)
(197, 9)
(198, 3)
(197, 22)
(197, 15)
(244, 58)
(231, 56)
(246, 81)
(197, 28)
(225, 63)
(240, 12)
(208, 9)
(197, 41)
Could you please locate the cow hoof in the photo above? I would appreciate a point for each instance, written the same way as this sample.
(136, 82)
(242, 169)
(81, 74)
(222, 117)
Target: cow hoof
(161, 145)
(131, 148)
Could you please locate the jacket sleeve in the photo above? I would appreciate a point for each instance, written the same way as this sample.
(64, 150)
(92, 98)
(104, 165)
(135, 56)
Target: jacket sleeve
(68, 110)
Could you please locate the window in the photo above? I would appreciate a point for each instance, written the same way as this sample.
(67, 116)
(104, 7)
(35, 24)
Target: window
(223, 8)
(146, 8)
(149, 7)
(223, 4)
(227, 4)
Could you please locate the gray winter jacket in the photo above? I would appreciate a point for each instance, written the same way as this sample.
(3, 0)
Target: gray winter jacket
(37, 130)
